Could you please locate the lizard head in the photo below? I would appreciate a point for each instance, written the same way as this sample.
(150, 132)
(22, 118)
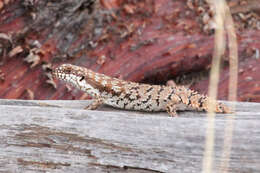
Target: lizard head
(70, 73)
(87, 80)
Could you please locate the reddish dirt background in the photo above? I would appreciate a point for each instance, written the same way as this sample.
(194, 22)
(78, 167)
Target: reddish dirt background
(149, 41)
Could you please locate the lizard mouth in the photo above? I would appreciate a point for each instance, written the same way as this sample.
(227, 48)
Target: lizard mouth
(55, 73)
(61, 70)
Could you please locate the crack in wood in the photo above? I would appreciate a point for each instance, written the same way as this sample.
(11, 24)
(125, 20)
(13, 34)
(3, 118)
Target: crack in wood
(128, 169)
(51, 165)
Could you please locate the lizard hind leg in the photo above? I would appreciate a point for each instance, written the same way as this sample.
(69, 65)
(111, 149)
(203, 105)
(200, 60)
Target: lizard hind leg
(95, 104)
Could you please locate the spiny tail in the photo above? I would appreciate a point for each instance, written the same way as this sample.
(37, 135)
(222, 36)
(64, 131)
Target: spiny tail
(200, 102)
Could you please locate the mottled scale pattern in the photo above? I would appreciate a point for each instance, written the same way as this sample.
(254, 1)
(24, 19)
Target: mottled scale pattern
(133, 96)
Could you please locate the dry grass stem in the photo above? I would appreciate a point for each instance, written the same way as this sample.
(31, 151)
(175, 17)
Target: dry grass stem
(233, 80)
(219, 50)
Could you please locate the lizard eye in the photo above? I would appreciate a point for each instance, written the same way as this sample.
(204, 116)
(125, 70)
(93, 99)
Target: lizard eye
(82, 78)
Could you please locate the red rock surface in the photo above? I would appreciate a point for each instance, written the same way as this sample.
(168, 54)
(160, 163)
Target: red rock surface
(148, 41)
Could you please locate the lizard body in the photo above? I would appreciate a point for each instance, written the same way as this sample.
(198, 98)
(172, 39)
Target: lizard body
(133, 96)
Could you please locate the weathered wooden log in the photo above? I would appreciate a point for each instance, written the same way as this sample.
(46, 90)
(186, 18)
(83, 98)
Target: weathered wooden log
(60, 136)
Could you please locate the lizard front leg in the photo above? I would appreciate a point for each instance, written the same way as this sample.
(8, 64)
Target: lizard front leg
(171, 109)
(95, 104)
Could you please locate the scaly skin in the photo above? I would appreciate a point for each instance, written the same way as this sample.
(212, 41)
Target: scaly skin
(133, 96)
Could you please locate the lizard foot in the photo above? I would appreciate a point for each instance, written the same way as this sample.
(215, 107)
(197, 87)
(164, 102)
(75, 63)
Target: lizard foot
(171, 110)
(95, 104)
